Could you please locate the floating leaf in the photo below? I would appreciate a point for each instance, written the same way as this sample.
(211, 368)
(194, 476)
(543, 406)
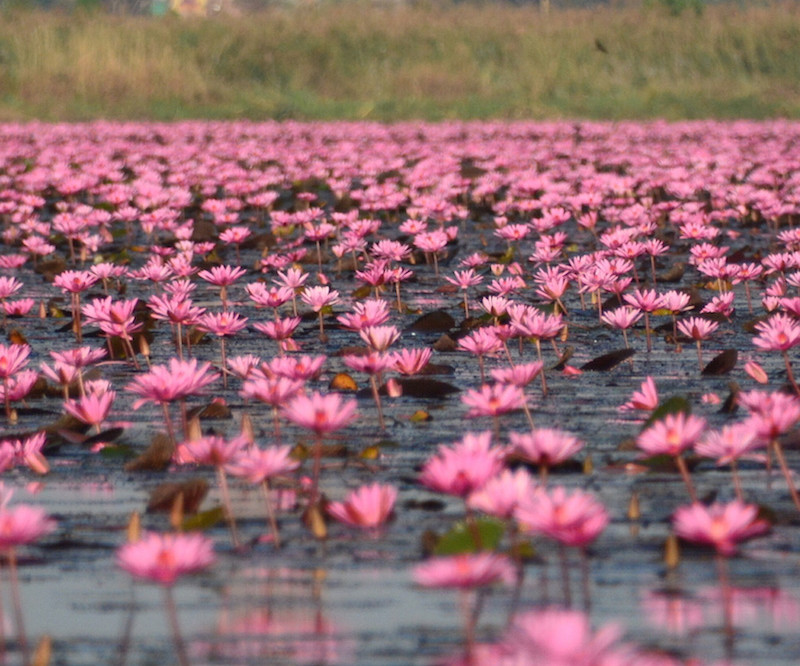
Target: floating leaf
(302, 452)
(204, 520)
(16, 337)
(731, 403)
(117, 451)
(437, 369)
(672, 405)
(362, 292)
(659, 463)
(437, 321)
(370, 453)
(674, 274)
(608, 361)
(507, 257)
(176, 513)
(216, 409)
(428, 542)
(420, 416)
(156, 457)
(722, 363)
(105, 436)
(447, 288)
(425, 388)
(424, 505)
(162, 499)
(565, 357)
(750, 325)
(343, 382)
(464, 537)
(523, 551)
(445, 344)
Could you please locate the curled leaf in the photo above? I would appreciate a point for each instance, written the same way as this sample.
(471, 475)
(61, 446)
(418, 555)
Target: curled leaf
(722, 363)
(344, 383)
(162, 499)
(156, 457)
(608, 361)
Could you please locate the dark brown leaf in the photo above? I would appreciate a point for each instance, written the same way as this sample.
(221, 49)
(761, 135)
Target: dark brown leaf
(437, 321)
(156, 457)
(17, 337)
(608, 361)
(674, 274)
(104, 436)
(445, 344)
(425, 388)
(731, 403)
(437, 369)
(722, 363)
(213, 410)
(162, 499)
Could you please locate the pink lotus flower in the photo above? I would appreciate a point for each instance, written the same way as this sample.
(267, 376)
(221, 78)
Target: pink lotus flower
(493, 400)
(321, 413)
(91, 408)
(464, 467)
(698, 329)
(671, 435)
(464, 571)
(502, 494)
(371, 312)
(723, 526)
(211, 450)
(646, 398)
(410, 361)
(21, 524)
(163, 558)
(574, 519)
(730, 444)
(555, 637)
(255, 465)
(379, 338)
(27, 451)
(545, 446)
(175, 381)
(367, 507)
(12, 359)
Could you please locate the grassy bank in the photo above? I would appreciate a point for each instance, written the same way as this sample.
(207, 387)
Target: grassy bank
(355, 60)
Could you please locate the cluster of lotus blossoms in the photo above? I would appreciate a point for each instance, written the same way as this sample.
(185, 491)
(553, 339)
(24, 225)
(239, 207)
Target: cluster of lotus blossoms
(321, 252)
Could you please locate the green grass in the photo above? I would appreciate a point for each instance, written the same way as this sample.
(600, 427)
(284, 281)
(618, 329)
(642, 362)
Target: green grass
(353, 60)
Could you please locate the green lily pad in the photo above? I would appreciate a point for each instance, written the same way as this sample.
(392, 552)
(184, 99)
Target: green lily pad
(481, 534)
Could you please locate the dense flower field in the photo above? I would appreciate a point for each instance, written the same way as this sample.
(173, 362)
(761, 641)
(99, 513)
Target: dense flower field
(549, 365)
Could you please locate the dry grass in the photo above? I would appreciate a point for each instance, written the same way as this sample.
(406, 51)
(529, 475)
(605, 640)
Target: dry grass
(388, 62)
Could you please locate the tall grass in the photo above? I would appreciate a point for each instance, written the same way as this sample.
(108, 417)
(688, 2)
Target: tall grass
(354, 60)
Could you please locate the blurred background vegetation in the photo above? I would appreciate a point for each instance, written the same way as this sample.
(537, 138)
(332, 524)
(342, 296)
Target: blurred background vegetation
(136, 59)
